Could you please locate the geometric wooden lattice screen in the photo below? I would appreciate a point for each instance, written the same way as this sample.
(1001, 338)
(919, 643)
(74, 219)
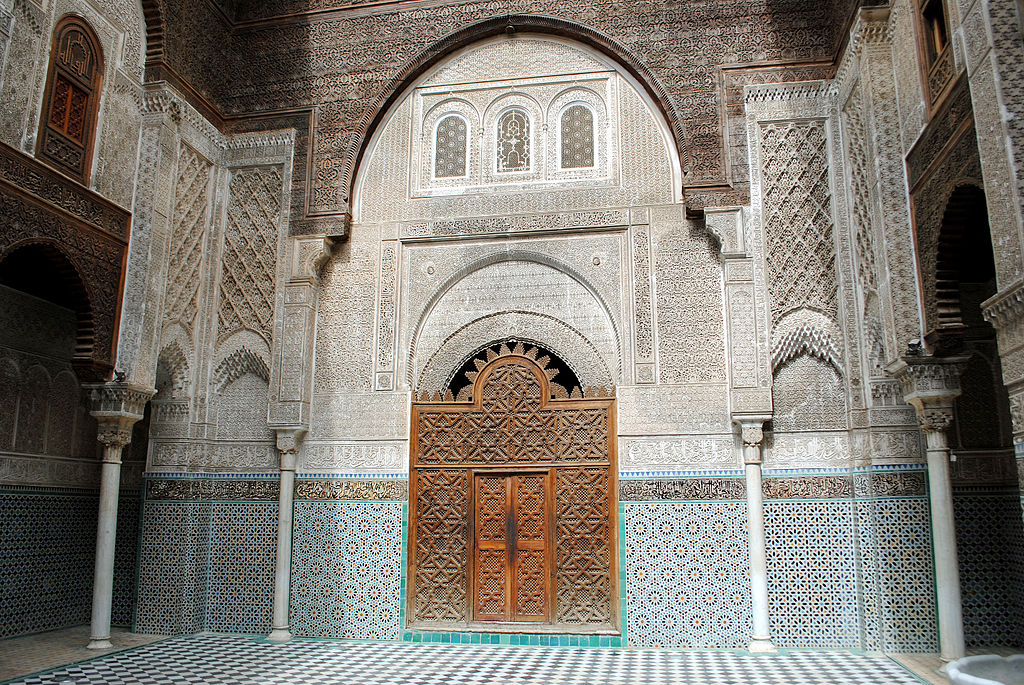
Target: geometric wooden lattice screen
(513, 502)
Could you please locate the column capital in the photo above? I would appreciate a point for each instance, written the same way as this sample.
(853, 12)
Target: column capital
(116, 406)
(118, 399)
(751, 428)
(289, 440)
(930, 384)
(935, 419)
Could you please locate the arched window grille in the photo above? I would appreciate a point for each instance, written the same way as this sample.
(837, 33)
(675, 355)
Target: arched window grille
(577, 138)
(514, 141)
(450, 147)
(68, 124)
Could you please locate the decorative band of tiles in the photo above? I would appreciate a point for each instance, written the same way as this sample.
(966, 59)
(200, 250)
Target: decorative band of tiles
(809, 487)
(353, 490)
(213, 490)
(911, 484)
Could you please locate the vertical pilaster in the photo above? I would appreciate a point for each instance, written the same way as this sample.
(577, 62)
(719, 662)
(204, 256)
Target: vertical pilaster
(288, 441)
(930, 385)
(752, 433)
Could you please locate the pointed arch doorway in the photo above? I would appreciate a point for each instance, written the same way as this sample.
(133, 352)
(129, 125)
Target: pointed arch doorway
(513, 502)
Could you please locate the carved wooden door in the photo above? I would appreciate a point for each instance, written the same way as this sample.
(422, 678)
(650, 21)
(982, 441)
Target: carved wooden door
(512, 502)
(512, 567)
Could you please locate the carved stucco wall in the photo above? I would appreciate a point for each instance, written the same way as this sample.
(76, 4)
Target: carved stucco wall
(433, 271)
(214, 209)
(120, 28)
(46, 434)
(281, 64)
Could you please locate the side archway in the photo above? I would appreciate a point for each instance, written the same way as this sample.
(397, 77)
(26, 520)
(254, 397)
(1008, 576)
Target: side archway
(41, 269)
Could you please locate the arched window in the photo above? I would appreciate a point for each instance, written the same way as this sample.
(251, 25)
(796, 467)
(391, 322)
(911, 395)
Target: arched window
(68, 123)
(577, 134)
(514, 141)
(450, 147)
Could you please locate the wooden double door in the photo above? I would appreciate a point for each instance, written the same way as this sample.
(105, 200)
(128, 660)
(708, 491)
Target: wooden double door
(512, 567)
(512, 509)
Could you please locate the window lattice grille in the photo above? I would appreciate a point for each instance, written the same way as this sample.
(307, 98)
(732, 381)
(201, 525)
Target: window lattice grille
(577, 138)
(514, 141)
(450, 148)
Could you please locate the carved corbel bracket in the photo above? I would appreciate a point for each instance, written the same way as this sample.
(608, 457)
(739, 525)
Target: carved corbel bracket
(726, 224)
(930, 384)
(309, 255)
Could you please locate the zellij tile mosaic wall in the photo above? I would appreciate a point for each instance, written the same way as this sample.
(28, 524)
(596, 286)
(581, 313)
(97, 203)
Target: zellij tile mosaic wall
(47, 557)
(849, 560)
(206, 555)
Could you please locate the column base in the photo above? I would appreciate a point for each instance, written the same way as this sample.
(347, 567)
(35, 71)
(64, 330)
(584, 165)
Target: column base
(99, 643)
(761, 645)
(280, 635)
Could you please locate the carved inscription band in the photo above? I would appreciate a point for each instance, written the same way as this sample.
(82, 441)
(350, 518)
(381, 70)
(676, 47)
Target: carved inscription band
(357, 490)
(212, 490)
(267, 490)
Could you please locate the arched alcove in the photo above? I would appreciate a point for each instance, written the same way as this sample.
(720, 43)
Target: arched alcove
(965, 277)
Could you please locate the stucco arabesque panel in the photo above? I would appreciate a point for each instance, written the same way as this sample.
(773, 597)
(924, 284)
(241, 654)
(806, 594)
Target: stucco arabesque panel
(592, 259)
(527, 285)
(639, 163)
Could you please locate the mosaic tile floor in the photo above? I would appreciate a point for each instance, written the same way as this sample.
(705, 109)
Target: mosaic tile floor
(224, 660)
(20, 656)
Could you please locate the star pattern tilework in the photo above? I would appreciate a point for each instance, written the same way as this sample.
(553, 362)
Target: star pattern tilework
(687, 575)
(898, 592)
(346, 570)
(812, 576)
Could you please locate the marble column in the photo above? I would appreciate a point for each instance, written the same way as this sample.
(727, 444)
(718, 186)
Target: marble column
(752, 434)
(288, 441)
(930, 385)
(116, 407)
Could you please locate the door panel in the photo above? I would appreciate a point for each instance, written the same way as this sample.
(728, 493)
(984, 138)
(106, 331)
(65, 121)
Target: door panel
(491, 579)
(512, 568)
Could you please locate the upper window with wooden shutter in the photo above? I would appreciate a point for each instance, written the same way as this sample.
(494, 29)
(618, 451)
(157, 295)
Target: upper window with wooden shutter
(68, 125)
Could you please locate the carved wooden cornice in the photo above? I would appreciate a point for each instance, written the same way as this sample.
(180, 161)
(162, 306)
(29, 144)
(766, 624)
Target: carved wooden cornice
(1006, 308)
(25, 175)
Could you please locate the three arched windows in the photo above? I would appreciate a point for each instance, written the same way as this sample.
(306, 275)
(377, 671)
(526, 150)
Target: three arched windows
(68, 123)
(513, 142)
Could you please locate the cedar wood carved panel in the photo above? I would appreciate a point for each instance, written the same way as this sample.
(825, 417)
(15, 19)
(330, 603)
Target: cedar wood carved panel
(553, 462)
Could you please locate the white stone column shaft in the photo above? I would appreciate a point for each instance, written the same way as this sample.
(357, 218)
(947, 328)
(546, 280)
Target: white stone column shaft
(931, 384)
(760, 640)
(106, 538)
(947, 567)
(288, 446)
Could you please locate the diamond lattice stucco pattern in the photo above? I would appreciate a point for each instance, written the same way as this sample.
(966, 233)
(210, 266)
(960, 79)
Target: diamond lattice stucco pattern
(250, 252)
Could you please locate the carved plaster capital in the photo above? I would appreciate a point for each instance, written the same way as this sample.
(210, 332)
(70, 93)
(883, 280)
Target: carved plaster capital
(936, 419)
(929, 384)
(118, 399)
(289, 440)
(116, 406)
(752, 434)
(1005, 309)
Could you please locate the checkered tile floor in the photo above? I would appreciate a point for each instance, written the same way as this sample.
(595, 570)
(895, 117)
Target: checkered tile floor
(224, 660)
